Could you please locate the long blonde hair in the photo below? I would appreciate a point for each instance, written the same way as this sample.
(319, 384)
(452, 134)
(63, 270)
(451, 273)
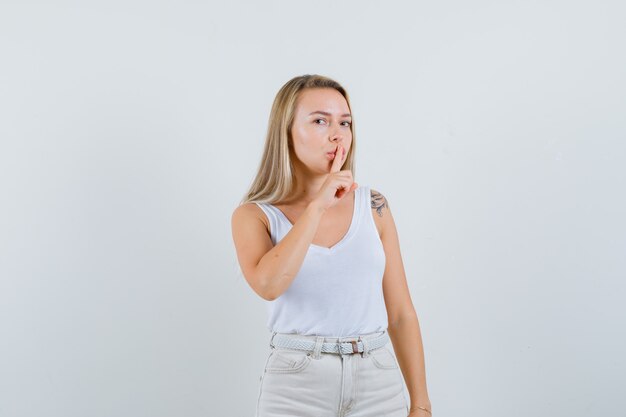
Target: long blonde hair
(274, 180)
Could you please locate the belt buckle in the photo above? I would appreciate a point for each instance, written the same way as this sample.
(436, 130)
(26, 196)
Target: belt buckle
(355, 347)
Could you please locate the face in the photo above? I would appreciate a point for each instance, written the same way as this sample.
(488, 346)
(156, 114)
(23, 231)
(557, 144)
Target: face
(321, 121)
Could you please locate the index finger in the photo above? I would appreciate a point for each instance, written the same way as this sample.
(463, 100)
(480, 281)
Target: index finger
(336, 166)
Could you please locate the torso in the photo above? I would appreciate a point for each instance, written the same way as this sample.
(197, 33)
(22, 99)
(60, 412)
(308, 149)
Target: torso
(333, 225)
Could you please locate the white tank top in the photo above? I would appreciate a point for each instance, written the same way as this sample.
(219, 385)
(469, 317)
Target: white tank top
(338, 291)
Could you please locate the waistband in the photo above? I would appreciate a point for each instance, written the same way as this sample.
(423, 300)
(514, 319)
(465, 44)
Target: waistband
(339, 345)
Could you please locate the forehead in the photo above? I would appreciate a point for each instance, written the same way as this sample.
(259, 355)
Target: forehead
(322, 99)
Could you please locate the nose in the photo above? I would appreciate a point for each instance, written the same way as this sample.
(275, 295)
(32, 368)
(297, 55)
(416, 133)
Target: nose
(336, 137)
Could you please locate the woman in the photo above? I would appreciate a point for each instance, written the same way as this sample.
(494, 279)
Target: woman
(324, 252)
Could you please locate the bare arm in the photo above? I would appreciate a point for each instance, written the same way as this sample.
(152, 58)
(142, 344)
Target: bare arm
(403, 326)
(271, 270)
(282, 263)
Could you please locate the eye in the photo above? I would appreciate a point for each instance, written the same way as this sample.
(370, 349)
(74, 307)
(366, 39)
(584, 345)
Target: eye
(348, 123)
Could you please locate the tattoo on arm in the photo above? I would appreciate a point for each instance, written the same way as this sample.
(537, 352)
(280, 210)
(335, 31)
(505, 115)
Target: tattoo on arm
(378, 202)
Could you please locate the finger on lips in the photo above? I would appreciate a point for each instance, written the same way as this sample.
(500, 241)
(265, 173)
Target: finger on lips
(336, 162)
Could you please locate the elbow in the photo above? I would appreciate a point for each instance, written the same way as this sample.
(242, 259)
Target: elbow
(267, 295)
(260, 286)
(265, 290)
(269, 288)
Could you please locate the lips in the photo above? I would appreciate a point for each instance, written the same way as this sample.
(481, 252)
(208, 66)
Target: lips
(331, 154)
(336, 150)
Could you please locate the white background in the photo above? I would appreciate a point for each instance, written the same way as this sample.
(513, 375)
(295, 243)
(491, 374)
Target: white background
(130, 130)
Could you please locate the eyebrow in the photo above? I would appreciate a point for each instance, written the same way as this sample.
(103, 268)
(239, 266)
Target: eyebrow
(328, 114)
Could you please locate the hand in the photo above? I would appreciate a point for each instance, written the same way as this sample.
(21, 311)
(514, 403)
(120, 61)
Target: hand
(338, 183)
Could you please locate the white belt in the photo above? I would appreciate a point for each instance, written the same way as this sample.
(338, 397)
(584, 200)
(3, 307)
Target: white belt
(345, 348)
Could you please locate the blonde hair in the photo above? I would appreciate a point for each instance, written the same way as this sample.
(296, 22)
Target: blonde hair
(274, 180)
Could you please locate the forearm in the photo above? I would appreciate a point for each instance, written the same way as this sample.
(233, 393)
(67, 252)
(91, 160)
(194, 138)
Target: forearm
(281, 264)
(407, 343)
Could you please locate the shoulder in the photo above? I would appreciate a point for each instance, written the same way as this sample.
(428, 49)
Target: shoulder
(378, 202)
(380, 210)
(249, 212)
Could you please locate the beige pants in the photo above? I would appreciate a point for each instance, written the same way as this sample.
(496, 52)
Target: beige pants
(298, 383)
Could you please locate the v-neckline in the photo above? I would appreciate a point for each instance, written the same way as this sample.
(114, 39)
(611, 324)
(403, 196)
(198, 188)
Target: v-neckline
(344, 238)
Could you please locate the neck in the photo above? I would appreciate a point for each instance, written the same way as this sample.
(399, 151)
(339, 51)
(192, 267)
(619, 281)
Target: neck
(306, 187)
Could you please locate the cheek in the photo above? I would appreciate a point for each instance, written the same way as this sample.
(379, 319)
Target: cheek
(302, 135)
(303, 146)
(308, 137)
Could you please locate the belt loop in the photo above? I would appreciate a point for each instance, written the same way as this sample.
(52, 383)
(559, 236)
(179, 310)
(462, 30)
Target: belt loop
(271, 339)
(366, 346)
(319, 341)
